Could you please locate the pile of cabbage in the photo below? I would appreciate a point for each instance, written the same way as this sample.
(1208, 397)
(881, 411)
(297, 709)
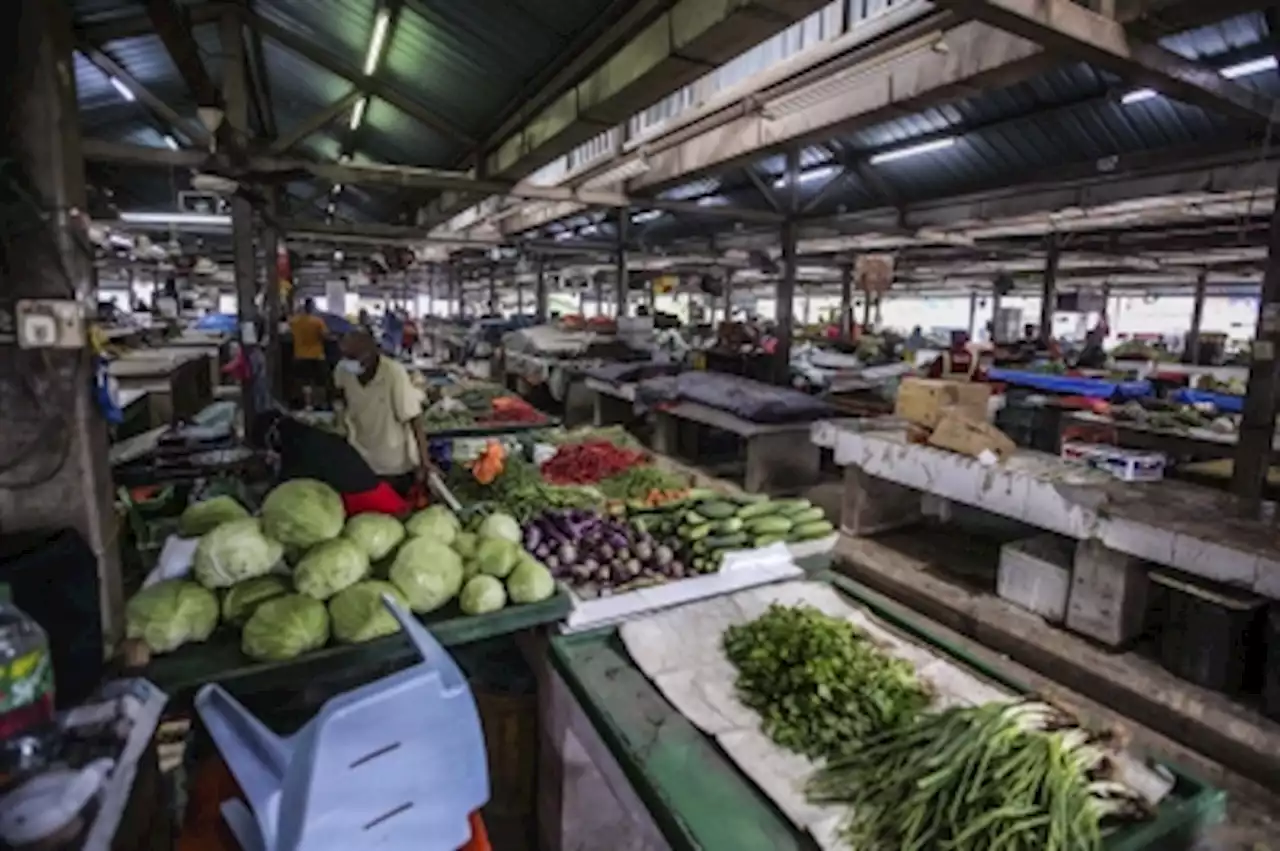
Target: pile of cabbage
(301, 573)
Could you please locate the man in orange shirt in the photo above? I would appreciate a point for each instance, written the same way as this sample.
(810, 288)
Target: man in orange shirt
(310, 370)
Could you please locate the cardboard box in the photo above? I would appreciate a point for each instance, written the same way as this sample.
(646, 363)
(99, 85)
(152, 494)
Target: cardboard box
(960, 432)
(924, 401)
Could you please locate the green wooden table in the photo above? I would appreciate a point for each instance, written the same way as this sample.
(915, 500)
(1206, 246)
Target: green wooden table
(219, 660)
(701, 801)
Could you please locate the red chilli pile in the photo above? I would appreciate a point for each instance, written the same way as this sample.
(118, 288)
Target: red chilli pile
(589, 462)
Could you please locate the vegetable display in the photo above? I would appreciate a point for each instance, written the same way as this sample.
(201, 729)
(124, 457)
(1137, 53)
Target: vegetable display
(329, 567)
(819, 684)
(302, 513)
(519, 491)
(1020, 777)
(171, 613)
(358, 614)
(596, 553)
(589, 462)
(234, 552)
(243, 598)
(377, 534)
(645, 482)
(285, 627)
(199, 518)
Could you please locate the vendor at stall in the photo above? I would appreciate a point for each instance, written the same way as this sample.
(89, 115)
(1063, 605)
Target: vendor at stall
(381, 412)
(956, 362)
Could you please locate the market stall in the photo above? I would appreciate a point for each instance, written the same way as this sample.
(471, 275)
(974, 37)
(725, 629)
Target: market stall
(177, 382)
(671, 728)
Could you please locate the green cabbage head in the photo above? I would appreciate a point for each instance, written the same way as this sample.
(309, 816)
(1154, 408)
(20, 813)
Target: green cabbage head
(358, 614)
(243, 598)
(501, 526)
(530, 582)
(376, 534)
(234, 552)
(329, 567)
(428, 573)
(437, 523)
(202, 517)
(171, 613)
(498, 556)
(465, 544)
(302, 513)
(482, 595)
(285, 628)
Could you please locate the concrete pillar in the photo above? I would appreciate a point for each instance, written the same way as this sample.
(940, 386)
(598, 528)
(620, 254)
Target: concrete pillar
(53, 440)
(273, 241)
(1191, 352)
(493, 290)
(1049, 290)
(728, 296)
(599, 284)
(621, 292)
(786, 295)
(846, 300)
(973, 312)
(519, 295)
(1258, 422)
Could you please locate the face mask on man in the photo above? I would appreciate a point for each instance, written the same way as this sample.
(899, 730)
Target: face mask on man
(351, 365)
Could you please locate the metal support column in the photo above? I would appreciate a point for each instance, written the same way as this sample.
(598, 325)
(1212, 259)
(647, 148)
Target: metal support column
(846, 301)
(621, 292)
(728, 296)
(540, 293)
(786, 295)
(519, 294)
(493, 290)
(973, 312)
(1191, 351)
(1258, 422)
(599, 285)
(236, 96)
(54, 472)
(1049, 292)
(273, 241)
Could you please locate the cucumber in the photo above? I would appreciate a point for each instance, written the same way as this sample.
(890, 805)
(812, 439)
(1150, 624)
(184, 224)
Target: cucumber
(727, 542)
(695, 533)
(716, 510)
(693, 518)
(744, 498)
(769, 526)
(757, 509)
(790, 507)
(704, 495)
(809, 531)
(727, 527)
(809, 515)
(767, 540)
(700, 547)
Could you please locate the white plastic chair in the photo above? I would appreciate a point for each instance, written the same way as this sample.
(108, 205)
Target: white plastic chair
(395, 764)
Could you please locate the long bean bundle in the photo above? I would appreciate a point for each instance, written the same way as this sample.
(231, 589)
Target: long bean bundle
(818, 683)
(996, 777)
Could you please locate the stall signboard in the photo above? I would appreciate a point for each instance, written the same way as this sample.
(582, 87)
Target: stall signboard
(874, 272)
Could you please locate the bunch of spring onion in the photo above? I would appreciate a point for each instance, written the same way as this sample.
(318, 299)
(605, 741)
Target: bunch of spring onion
(997, 777)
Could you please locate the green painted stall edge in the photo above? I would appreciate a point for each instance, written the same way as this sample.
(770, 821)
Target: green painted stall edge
(219, 660)
(691, 787)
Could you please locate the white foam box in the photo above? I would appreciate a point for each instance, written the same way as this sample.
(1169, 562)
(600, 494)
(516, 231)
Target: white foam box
(1035, 573)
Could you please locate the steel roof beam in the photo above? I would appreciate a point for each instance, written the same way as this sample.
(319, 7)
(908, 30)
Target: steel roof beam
(136, 25)
(174, 27)
(682, 44)
(189, 129)
(315, 122)
(340, 67)
(265, 168)
(1079, 33)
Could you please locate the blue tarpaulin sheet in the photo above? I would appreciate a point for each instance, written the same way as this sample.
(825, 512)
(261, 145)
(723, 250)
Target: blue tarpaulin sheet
(1228, 403)
(226, 323)
(1094, 388)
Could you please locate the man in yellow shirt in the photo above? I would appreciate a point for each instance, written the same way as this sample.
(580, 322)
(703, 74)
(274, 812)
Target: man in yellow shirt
(311, 372)
(381, 411)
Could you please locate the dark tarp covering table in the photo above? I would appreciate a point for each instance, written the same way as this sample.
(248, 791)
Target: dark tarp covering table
(702, 802)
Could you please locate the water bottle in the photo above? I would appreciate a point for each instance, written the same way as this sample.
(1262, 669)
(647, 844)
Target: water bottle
(26, 687)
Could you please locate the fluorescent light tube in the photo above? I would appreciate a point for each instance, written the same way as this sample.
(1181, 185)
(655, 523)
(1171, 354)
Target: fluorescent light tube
(1248, 69)
(122, 89)
(380, 25)
(646, 216)
(357, 114)
(143, 218)
(808, 176)
(171, 142)
(913, 150)
(1138, 96)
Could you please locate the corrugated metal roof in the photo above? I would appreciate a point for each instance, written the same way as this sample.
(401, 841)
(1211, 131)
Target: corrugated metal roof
(394, 137)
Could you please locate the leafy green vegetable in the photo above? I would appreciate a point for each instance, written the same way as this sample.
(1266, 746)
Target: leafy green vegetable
(171, 613)
(329, 567)
(818, 682)
(436, 523)
(358, 613)
(497, 556)
(499, 525)
(638, 481)
(244, 597)
(285, 628)
(972, 779)
(482, 595)
(376, 534)
(234, 552)
(428, 573)
(465, 544)
(303, 512)
(201, 517)
(530, 582)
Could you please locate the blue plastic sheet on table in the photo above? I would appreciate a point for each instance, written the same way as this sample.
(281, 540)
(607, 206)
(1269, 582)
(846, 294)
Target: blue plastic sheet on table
(226, 323)
(1229, 403)
(1094, 388)
(625, 373)
(441, 453)
(753, 401)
